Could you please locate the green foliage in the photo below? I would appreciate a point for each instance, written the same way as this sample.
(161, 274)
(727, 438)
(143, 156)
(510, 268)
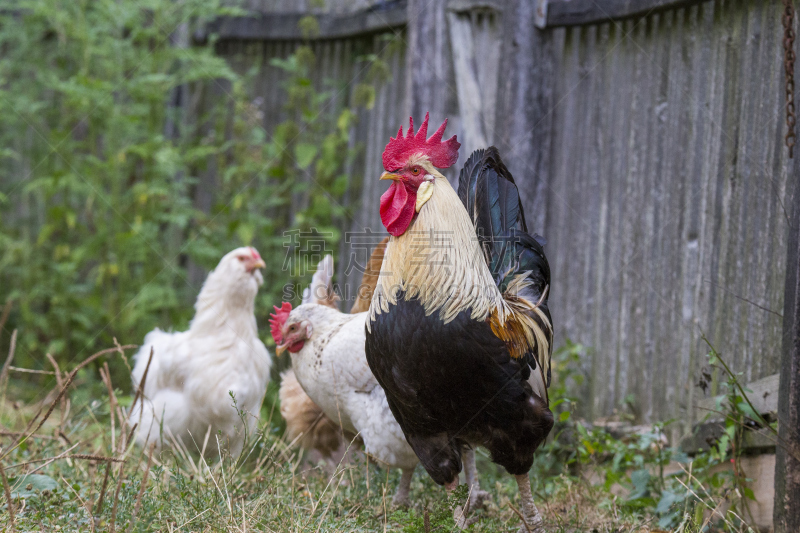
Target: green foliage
(114, 200)
(438, 518)
(656, 480)
(567, 379)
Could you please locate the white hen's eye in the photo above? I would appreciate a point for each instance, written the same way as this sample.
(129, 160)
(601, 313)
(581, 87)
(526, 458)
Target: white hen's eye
(242, 258)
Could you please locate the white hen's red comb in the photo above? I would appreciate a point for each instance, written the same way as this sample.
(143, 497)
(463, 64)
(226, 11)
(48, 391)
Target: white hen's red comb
(278, 320)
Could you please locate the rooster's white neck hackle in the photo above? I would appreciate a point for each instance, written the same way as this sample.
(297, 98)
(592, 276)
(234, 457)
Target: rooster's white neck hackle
(438, 260)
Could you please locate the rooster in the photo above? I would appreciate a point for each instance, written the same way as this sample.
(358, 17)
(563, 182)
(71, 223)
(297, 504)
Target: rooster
(459, 333)
(195, 376)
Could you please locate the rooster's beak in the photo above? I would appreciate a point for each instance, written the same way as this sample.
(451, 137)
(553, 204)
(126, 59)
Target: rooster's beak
(259, 264)
(279, 349)
(390, 176)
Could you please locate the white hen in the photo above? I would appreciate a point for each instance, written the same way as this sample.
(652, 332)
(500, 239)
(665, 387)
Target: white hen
(192, 373)
(329, 361)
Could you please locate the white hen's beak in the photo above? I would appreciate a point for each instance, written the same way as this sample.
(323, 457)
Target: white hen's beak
(254, 264)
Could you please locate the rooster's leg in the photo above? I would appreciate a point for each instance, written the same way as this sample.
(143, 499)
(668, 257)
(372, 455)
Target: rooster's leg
(401, 496)
(533, 520)
(477, 497)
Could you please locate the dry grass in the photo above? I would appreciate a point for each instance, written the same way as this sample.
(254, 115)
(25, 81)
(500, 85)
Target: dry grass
(69, 465)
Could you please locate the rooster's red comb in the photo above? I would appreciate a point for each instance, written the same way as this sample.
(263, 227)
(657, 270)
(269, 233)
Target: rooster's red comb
(442, 154)
(278, 320)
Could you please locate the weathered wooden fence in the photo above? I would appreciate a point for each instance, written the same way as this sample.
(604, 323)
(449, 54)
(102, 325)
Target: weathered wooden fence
(648, 145)
(665, 198)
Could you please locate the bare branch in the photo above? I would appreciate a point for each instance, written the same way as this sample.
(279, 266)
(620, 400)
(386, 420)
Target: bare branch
(7, 491)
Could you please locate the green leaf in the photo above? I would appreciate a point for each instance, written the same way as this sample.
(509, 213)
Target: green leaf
(304, 154)
(668, 499)
(639, 479)
(564, 416)
(31, 485)
(245, 233)
(745, 409)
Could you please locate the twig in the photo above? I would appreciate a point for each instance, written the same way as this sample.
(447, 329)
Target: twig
(524, 522)
(6, 312)
(92, 457)
(792, 450)
(140, 388)
(121, 350)
(100, 354)
(7, 491)
(11, 349)
(193, 519)
(90, 496)
(106, 377)
(737, 384)
(31, 370)
(130, 435)
(99, 505)
(27, 435)
(745, 299)
(3, 319)
(57, 370)
(111, 525)
(4, 433)
(60, 384)
(86, 507)
(142, 487)
(50, 460)
(86, 456)
(70, 377)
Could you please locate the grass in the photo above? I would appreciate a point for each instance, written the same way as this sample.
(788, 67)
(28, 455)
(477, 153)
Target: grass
(69, 466)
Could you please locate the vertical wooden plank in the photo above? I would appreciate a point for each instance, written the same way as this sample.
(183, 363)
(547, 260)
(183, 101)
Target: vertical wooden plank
(525, 103)
(697, 191)
(684, 100)
(663, 224)
(787, 461)
(614, 119)
(594, 212)
(668, 305)
(714, 170)
(467, 84)
(427, 59)
(583, 195)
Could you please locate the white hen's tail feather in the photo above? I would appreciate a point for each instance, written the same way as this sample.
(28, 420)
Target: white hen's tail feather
(321, 289)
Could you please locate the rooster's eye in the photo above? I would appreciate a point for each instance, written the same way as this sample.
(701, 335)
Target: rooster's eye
(292, 328)
(242, 259)
(415, 171)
